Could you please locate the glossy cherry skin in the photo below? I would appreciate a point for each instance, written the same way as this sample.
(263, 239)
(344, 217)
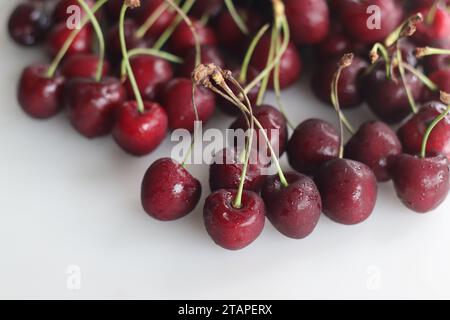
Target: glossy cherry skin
(309, 20)
(273, 121)
(355, 16)
(92, 105)
(82, 65)
(313, 143)
(422, 184)
(204, 8)
(168, 191)
(411, 132)
(374, 144)
(59, 34)
(64, 10)
(437, 30)
(386, 97)
(442, 80)
(38, 95)
(140, 133)
(151, 74)
(28, 24)
(233, 228)
(182, 39)
(226, 171)
(293, 210)
(336, 44)
(208, 54)
(348, 189)
(177, 100)
(290, 64)
(162, 22)
(349, 86)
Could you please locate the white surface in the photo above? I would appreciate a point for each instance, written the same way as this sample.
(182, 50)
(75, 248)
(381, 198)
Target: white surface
(67, 201)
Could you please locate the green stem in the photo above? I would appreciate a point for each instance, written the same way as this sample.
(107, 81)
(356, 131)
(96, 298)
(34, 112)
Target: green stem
(428, 51)
(123, 46)
(101, 39)
(378, 47)
(62, 52)
(142, 30)
(422, 77)
(270, 58)
(236, 17)
(249, 53)
(430, 129)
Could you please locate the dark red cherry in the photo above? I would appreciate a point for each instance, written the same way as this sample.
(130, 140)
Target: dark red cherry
(231, 109)
(92, 105)
(151, 75)
(28, 24)
(177, 100)
(208, 8)
(435, 30)
(234, 228)
(140, 133)
(313, 143)
(169, 191)
(374, 144)
(349, 87)
(208, 54)
(273, 121)
(411, 132)
(422, 184)
(293, 210)
(442, 79)
(290, 63)
(113, 7)
(182, 39)
(226, 170)
(39, 95)
(309, 20)
(65, 9)
(387, 97)
(382, 17)
(437, 62)
(348, 189)
(82, 65)
(162, 22)
(336, 44)
(59, 35)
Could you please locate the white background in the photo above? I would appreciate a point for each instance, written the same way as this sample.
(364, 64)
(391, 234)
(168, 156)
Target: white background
(66, 201)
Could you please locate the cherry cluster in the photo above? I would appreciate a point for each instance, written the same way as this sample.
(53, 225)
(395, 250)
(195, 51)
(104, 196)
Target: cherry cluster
(138, 69)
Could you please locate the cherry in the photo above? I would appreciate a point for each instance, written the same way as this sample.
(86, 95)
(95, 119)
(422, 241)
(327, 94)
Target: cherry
(442, 79)
(209, 8)
(229, 108)
(113, 7)
(293, 210)
(182, 38)
(82, 65)
(387, 98)
(151, 74)
(335, 44)
(349, 88)
(140, 133)
(39, 95)
(234, 228)
(64, 10)
(59, 35)
(177, 100)
(355, 16)
(208, 54)
(313, 143)
(273, 121)
(163, 21)
(421, 183)
(438, 29)
(92, 105)
(348, 189)
(169, 191)
(412, 132)
(437, 62)
(290, 63)
(374, 144)
(28, 24)
(309, 20)
(226, 170)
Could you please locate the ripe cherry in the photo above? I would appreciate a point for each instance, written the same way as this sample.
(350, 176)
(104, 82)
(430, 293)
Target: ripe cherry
(39, 95)
(162, 22)
(441, 78)
(182, 39)
(206, 8)
(82, 65)
(59, 35)
(293, 210)
(208, 54)
(28, 24)
(234, 228)
(433, 30)
(313, 143)
(169, 191)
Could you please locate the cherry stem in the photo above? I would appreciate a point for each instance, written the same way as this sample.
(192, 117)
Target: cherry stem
(380, 48)
(62, 52)
(101, 39)
(345, 62)
(270, 58)
(422, 77)
(194, 105)
(432, 13)
(142, 30)
(445, 97)
(428, 51)
(406, 29)
(123, 45)
(401, 68)
(236, 17)
(181, 15)
(249, 53)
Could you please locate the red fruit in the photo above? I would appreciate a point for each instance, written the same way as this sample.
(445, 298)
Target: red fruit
(182, 39)
(169, 191)
(208, 54)
(66, 9)
(59, 35)
(140, 133)
(82, 66)
(436, 30)
(233, 228)
(28, 24)
(208, 8)
(162, 22)
(442, 79)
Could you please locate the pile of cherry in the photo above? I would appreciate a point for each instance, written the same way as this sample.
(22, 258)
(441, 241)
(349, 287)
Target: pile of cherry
(127, 71)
